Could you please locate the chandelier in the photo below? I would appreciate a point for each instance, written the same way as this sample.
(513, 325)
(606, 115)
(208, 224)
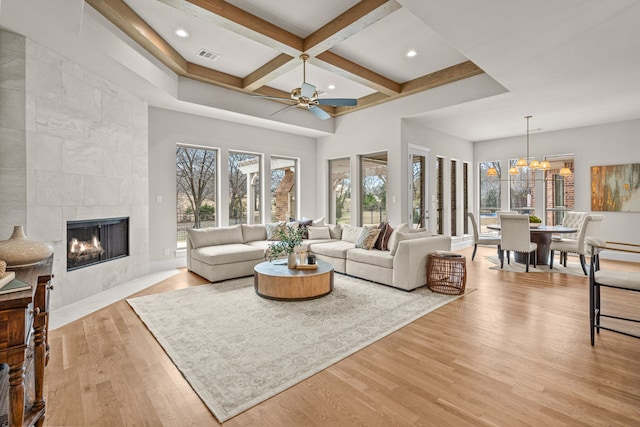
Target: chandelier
(523, 162)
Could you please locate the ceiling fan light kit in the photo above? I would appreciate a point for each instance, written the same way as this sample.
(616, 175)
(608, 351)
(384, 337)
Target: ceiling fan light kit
(306, 97)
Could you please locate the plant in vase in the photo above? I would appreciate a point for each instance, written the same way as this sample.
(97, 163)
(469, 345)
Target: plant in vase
(288, 239)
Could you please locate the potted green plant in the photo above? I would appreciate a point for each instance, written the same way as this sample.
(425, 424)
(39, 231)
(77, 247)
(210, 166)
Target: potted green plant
(288, 239)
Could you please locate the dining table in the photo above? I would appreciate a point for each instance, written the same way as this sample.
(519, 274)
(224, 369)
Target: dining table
(542, 236)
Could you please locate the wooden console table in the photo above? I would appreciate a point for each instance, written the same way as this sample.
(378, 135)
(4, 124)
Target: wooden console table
(19, 312)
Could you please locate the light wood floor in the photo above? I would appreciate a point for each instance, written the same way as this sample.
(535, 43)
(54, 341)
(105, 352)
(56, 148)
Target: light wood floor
(514, 352)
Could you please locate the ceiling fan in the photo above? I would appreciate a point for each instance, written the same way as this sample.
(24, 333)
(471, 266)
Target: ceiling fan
(306, 96)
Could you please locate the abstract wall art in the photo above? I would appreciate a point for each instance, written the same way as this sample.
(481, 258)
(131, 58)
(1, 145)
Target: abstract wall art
(615, 188)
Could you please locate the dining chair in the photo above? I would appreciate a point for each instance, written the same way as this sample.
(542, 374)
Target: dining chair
(482, 239)
(619, 280)
(571, 219)
(500, 213)
(516, 236)
(590, 228)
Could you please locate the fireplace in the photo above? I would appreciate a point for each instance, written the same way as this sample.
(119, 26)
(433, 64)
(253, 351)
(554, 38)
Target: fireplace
(95, 241)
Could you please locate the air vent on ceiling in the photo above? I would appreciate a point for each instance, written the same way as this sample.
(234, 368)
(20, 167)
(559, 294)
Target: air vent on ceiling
(207, 54)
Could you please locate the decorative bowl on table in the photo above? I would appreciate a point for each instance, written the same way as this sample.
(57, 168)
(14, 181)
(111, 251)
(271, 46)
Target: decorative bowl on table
(534, 224)
(534, 221)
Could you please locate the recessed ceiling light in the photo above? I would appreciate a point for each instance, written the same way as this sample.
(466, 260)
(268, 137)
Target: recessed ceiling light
(411, 53)
(331, 87)
(182, 33)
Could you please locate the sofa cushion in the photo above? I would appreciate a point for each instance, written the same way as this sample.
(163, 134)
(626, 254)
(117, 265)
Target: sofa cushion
(401, 228)
(227, 254)
(335, 230)
(317, 233)
(373, 257)
(350, 234)
(367, 237)
(255, 232)
(337, 249)
(262, 244)
(407, 236)
(214, 236)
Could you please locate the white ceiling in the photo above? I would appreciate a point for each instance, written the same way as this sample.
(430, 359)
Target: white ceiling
(568, 63)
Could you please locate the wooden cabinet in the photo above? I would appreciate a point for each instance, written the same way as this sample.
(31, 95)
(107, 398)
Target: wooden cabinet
(21, 314)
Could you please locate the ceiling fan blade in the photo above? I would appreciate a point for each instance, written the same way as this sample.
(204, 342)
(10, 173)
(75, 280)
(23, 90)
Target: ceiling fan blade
(284, 109)
(307, 90)
(275, 98)
(338, 102)
(319, 112)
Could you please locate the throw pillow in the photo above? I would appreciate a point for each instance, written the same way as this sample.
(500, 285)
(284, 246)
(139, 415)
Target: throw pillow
(382, 244)
(303, 223)
(273, 229)
(318, 233)
(367, 238)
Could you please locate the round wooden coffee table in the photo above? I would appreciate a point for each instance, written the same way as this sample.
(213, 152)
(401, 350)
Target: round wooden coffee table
(274, 281)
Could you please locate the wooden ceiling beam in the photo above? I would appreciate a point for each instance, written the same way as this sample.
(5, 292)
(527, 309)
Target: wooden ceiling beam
(125, 18)
(460, 71)
(273, 69)
(243, 23)
(350, 22)
(336, 64)
(207, 75)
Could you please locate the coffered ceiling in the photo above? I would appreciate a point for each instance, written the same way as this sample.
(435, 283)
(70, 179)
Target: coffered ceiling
(568, 63)
(357, 49)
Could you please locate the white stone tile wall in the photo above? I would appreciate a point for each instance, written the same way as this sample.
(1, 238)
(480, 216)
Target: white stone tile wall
(75, 149)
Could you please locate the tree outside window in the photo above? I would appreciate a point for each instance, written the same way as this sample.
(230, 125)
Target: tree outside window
(340, 188)
(373, 200)
(196, 170)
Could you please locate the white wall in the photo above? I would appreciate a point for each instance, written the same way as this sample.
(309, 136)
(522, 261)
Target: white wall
(167, 128)
(380, 128)
(610, 144)
(83, 155)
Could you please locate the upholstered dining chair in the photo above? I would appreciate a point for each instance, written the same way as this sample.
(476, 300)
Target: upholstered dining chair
(590, 228)
(571, 219)
(500, 213)
(482, 239)
(516, 236)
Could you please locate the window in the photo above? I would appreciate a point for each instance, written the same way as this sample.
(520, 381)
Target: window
(196, 174)
(521, 186)
(373, 198)
(465, 196)
(340, 191)
(454, 197)
(559, 189)
(244, 188)
(418, 190)
(489, 194)
(283, 189)
(440, 195)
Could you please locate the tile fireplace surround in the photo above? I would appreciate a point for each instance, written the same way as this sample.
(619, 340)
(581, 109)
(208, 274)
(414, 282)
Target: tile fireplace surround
(73, 147)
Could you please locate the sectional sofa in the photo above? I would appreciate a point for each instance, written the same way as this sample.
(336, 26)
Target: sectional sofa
(229, 252)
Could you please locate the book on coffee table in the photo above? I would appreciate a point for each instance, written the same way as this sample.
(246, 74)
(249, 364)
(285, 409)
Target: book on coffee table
(307, 266)
(7, 277)
(14, 286)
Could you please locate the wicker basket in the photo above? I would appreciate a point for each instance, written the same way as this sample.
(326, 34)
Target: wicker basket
(446, 274)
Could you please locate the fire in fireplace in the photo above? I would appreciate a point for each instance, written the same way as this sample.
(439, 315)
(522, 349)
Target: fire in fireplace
(94, 241)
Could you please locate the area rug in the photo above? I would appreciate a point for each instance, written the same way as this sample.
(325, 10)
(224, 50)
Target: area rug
(572, 268)
(237, 349)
